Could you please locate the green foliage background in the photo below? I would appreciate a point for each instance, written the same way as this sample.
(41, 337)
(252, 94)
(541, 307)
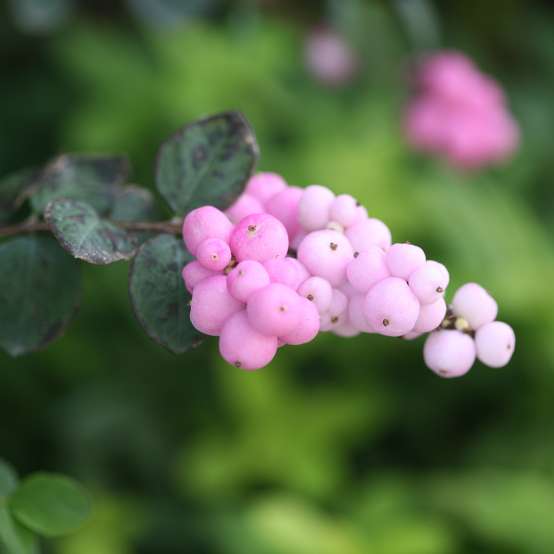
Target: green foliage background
(341, 446)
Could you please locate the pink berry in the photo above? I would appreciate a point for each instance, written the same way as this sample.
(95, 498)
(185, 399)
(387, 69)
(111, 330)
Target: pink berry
(205, 223)
(263, 186)
(430, 316)
(214, 254)
(326, 254)
(314, 207)
(284, 206)
(403, 259)
(367, 268)
(449, 353)
(297, 239)
(473, 303)
(348, 290)
(259, 237)
(495, 343)
(429, 282)
(246, 278)
(368, 232)
(318, 291)
(337, 313)
(308, 326)
(391, 307)
(287, 271)
(356, 314)
(274, 310)
(193, 273)
(346, 330)
(244, 347)
(344, 210)
(244, 206)
(212, 305)
(412, 335)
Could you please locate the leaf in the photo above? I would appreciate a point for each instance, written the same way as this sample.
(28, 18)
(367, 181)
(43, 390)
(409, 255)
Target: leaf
(11, 187)
(132, 203)
(85, 235)
(91, 179)
(207, 162)
(50, 504)
(158, 294)
(8, 478)
(40, 287)
(40, 16)
(14, 538)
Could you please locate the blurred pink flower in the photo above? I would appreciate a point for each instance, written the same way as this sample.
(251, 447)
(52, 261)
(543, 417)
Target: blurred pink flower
(459, 113)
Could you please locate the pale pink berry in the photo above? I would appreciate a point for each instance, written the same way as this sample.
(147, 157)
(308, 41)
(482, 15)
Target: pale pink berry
(361, 215)
(263, 186)
(346, 330)
(246, 278)
(367, 268)
(205, 223)
(474, 304)
(337, 313)
(368, 232)
(308, 326)
(193, 273)
(412, 335)
(344, 210)
(403, 259)
(287, 271)
(244, 206)
(314, 207)
(318, 291)
(212, 305)
(449, 353)
(326, 254)
(259, 237)
(495, 343)
(213, 254)
(348, 289)
(274, 310)
(391, 308)
(430, 316)
(297, 239)
(284, 206)
(429, 281)
(244, 347)
(356, 314)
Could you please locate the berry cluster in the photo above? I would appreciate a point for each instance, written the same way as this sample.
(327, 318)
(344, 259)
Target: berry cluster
(346, 277)
(459, 113)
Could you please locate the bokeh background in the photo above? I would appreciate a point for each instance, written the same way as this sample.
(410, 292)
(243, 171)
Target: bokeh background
(340, 446)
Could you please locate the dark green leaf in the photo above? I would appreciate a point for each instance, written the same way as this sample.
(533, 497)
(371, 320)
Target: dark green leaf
(132, 203)
(91, 179)
(40, 287)
(14, 538)
(39, 16)
(11, 188)
(158, 294)
(85, 235)
(50, 504)
(207, 162)
(8, 478)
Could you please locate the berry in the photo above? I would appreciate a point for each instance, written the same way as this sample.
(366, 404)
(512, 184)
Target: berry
(367, 268)
(326, 254)
(212, 305)
(430, 316)
(213, 254)
(391, 307)
(495, 343)
(205, 223)
(368, 232)
(429, 282)
(318, 291)
(259, 237)
(244, 206)
(356, 314)
(288, 271)
(284, 206)
(344, 210)
(472, 302)
(308, 326)
(346, 330)
(246, 278)
(263, 186)
(244, 347)
(314, 207)
(449, 353)
(193, 273)
(337, 313)
(403, 259)
(274, 310)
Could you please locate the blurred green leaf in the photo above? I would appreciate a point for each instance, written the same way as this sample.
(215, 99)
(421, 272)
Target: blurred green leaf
(207, 162)
(169, 12)
(132, 203)
(14, 538)
(38, 16)
(158, 294)
(8, 478)
(83, 177)
(11, 187)
(40, 288)
(50, 504)
(85, 235)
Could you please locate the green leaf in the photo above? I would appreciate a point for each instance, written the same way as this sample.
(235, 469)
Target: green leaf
(12, 186)
(207, 162)
(50, 504)
(91, 179)
(40, 16)
(40, 287)
(8, 478)
(132, 203)
(160, 299)
(14, 538)
(85, 235)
